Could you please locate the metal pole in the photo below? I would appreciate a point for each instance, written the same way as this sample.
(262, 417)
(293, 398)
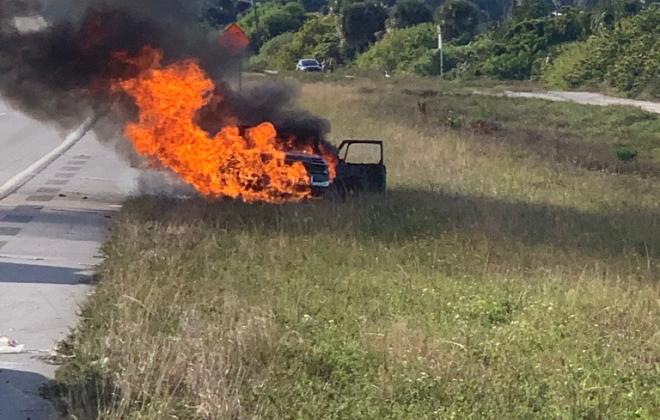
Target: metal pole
(240, 73)
(442, 63)
(256, 24)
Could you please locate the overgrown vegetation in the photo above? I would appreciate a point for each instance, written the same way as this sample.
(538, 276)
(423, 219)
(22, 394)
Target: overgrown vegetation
(510, 272)
(407, 51)
(611, 45)
(626, 59)
(318, 37)
(273, 19)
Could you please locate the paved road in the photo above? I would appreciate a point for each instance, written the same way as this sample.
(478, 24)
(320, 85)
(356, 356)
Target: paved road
(587, 98)
(15, 156)
(50, 232)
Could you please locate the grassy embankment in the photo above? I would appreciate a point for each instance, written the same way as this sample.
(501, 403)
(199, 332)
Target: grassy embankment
(510, 272)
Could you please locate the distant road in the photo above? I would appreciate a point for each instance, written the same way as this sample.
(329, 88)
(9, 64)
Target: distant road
(588, 98)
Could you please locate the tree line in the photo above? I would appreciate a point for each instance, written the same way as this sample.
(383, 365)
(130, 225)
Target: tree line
(506, 39)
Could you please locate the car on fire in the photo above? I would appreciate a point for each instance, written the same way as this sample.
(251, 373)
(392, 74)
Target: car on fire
(317, 169)
(361, 168)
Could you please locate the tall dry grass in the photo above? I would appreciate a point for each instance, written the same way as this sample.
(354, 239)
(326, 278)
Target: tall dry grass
(491, 281)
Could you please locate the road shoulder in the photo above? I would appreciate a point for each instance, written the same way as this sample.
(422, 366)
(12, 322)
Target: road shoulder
(51, 230)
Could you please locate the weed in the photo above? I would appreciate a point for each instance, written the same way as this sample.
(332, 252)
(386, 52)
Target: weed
(496, 279)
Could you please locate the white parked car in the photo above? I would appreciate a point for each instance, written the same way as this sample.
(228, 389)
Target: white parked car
(308, 64)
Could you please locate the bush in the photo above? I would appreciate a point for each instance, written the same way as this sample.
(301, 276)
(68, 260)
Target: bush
(314, 5)
(361, 22)
(529, 9)
(319, 37)
(625, 153)
(274, 19)
(520, 48)
(627, 59)
(403, 51)
(567, 71)
(459, 20)
(410, 13)
(459, 58)
(274, 54)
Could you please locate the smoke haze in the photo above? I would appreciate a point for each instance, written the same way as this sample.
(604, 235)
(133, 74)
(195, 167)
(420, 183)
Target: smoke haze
(55, 63)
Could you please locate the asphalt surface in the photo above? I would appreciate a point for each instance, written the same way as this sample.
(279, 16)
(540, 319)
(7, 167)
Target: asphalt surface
(16, 155)
(50, 232)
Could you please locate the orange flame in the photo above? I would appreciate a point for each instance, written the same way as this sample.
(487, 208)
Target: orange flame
(248, 167)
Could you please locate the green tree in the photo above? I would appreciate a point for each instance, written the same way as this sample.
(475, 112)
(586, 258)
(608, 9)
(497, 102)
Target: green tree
(409, 13)
(314, 5)
(631, 7)
(626, 59)
(274, 54)
(459, 20)
(319, 37)
(530, 9)
(219, 13)
(518, 50)
(288, 18)
(407, 50)
(361, 22)
(274, 19)
(494, 10)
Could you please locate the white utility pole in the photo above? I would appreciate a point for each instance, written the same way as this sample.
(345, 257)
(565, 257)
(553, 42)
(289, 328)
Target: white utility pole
(440, 48)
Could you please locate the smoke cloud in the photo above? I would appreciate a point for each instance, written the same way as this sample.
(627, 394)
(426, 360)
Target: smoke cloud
(56, 55)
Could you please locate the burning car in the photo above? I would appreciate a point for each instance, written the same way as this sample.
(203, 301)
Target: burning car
(168, 94)
(317, 169)
(357, 169)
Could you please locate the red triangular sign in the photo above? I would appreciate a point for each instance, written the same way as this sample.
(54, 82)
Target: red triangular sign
(234, 39)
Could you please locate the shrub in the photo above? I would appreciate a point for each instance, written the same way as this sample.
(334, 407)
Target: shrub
(626, 59)
(459, 20)
(625, 153)
(274, 19)
(529, 9)
(319, 37)
(410, 13)
(403, 51)
(361, 22)
(568, 71)
(520, 48)
(460, 58)
(274, 54)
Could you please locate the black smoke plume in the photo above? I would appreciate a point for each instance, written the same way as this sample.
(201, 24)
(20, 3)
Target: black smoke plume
(55, 56)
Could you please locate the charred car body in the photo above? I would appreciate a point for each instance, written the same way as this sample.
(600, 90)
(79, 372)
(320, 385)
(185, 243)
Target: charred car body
(357, 171)
(317, 169)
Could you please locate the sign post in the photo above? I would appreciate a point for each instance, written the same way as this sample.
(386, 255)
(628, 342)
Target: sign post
(235, 41)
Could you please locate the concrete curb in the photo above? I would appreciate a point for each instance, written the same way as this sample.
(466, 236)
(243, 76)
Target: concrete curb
(30, 172)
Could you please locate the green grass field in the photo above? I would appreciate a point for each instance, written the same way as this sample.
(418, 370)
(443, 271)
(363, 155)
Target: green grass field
(511, 271)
